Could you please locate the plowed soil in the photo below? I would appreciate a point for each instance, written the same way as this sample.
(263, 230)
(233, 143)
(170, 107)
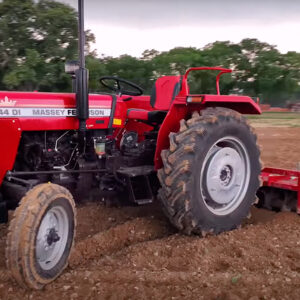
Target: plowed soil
(133, 252)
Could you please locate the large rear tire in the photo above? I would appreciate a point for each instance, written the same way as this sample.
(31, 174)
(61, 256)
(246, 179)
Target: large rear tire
(211, 172)
(41, 235)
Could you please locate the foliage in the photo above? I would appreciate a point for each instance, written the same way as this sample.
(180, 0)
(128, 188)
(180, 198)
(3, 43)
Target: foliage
(36, 38)
(35, 41)
(259, 69)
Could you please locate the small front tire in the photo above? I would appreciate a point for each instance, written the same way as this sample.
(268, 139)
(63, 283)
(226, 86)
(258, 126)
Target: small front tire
(41, 236)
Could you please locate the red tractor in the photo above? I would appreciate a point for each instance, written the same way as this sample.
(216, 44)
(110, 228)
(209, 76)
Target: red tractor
(197, 153)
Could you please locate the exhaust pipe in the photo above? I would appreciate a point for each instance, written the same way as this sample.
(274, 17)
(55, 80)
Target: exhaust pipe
(82, 93)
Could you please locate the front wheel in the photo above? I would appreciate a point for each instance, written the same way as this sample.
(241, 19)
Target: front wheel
(211, 172)
(41, 235)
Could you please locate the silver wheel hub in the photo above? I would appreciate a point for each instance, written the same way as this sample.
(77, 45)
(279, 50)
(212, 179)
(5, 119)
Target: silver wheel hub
(225, 175)
(52, 237)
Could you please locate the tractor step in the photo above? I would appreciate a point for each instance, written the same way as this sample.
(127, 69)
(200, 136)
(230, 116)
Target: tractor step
(138, 183)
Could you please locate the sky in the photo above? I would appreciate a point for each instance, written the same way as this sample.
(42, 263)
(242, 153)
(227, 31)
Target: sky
(132, 26)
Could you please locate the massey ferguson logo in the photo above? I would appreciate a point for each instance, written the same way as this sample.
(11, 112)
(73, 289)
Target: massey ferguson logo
(7, 102)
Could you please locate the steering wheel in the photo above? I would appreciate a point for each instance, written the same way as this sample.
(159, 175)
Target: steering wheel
(117, 86)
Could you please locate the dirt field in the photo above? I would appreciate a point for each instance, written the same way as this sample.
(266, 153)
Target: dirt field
(133, 253)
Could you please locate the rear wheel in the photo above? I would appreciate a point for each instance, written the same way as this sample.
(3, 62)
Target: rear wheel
(211, 172)
(41, 235)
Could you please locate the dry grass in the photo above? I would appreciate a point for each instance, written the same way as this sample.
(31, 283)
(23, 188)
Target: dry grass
(275, 119)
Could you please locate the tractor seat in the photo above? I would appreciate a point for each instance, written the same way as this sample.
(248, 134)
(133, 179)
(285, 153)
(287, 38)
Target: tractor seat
(163, 93)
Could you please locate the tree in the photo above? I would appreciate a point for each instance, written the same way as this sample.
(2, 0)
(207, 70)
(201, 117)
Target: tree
(36, 38)
(35, 41)
(96, 69)
(265, 72)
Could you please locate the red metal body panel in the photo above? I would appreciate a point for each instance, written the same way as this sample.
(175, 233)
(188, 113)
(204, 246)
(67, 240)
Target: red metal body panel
(10, 134)
(139, 102)
(242, 104)
(282, 179)
(140, 114)
(142, 102)
(56, 101)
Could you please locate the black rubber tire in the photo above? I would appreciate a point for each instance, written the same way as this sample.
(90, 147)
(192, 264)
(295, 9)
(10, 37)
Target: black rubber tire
(180, 193)
(21, 239)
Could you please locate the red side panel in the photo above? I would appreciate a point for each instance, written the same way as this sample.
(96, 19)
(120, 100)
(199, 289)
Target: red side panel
(139, 114)
(138, 102)
(10, 134)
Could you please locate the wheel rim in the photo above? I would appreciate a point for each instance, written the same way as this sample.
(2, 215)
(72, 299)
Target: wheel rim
(225, 176)
(52, 237)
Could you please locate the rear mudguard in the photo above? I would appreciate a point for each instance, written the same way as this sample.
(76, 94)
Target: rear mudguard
(181, 110)
(10, 134)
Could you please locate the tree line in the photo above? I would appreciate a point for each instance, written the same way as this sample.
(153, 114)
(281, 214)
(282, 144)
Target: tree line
(37, 38)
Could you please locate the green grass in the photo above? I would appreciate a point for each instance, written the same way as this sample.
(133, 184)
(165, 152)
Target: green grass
(275, 119)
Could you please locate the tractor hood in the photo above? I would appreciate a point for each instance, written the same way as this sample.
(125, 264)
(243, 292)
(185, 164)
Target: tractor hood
(57, 111)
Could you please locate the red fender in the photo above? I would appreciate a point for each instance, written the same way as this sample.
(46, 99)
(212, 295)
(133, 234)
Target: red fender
(171, 123)
(179, 111)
